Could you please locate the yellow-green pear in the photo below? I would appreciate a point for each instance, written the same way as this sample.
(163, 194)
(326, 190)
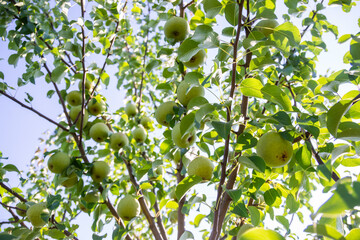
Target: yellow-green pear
(128, 207)
(176, 28)
(118, 141)
(186, 92)
(146, 122)
(266, 26)
(74, 112)
(88, 85)
(23, 206)
(274, 149)
(99, 132)
(243, 229)
(256, 233)
(139, 134)
(70, 180)
(58, 162)
(130, 109)
(96, 108)
(202, 167)
(74, 98)
(34, 214)
(183, 141)
(99, 171)
(166, 108)
(197, 60)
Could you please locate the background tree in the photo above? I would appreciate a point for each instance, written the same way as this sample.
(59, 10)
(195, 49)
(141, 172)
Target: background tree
(202, 82)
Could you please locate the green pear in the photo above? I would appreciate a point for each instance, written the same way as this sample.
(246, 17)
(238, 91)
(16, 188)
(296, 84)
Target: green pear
(202, 167)
(99, 171)
(88, 85)
(74, 98)
(256, 233)
(70, 180)
(58, 162)
(130, 109)
(176, 28)
(146, 122)
(186, 92)
(118, 141)
(95, 108)
(128, 207)
(74, 112)
(35, 212)
(139, 134)
(22, 206)
(173, 216)
(183, 141)
(274, 149)
(243, 229)
(266, 26)
(197, 60)
(90, 198)
(99, 132)
(166, 108)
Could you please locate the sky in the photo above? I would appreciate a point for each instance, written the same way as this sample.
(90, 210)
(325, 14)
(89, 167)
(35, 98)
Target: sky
(20, 129)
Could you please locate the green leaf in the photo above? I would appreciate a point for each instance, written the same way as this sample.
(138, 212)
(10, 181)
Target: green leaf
(212, 8)
(290, 31)
(222, 128)
(232, 13)
(303, 157)
(348, 131)
(58, 73)
(355, 50)
(270, 196)
(335, 114)
(187, 123)
(186, 235)
(292, 204)
(254, 215)
(274, 94)
(185, 185)
(260, 233)
(197, 102)
(344, 38)
(245, 141)
(345, 197)
(325, 231)
(225, 51)
(11, 168)
(315, 131)
(255, 162)
(240, 210)
(151, 65)
(5, 236)
(202, 32)
(251, 87)
(188, 49)
(235, 194)
(198, 219)
(13, 59)
(282, 118)
(203, 111)
(283, 221)
(354, 234)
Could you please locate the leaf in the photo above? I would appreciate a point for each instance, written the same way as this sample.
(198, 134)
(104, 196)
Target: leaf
(324, 230)
(58, 73)
(282, 118)
(223, 129)
(255, 162)
(260, 233)
(344, 38)
(5, 236)
(212, 8)
(355, 50)
(13, 59)
(290, 31)
(11, 168)
(232, 13)
(254, 215)
(188, 49)
(283, 221)
(270, 196)
(251, 87)
(202, 32)
(203, 111)
(354, 234)
(292, 204)
(198, 219)
(240, 210)
(303, 157)
(185, 185)
(235, 194)
(276, 95)
(151, 65)
(187, 123)
(245, 141)
(335, 114)
(348, 131)
(186, 235)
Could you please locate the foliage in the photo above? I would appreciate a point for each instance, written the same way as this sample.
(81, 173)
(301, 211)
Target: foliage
(255, 81)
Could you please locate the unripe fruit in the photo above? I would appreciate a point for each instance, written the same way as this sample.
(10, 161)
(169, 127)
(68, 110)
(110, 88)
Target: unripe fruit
(274, 149)
(74, 98)
(139, 134)
(184, 95)
(118, 140)
(90, 197)
(23, 206)
(176, 28)
(130, 109)
(88, 85)
(243, 229)
(197, 60)
(58, 162)
(74, 112)
(202, 167)
(95, 108)
(128, 207)
(34, 214)
(183, 141)
(146, 122)
(99, 171)
(99, 132)
(166, 108)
